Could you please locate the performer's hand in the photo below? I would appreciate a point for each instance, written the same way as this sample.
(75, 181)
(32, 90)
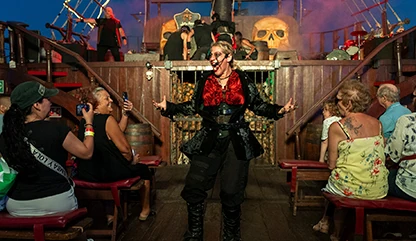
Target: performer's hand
(124, 42)
(160, 105)
(288, 107)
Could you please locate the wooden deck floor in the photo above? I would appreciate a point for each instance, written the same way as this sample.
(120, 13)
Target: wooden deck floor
(266, 215)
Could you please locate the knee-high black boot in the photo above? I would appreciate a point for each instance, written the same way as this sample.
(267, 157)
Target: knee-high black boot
(231, 223)
(195, 230)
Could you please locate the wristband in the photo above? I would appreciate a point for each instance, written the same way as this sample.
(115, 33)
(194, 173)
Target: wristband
(85, 125)
(89, 129)
(89, 133)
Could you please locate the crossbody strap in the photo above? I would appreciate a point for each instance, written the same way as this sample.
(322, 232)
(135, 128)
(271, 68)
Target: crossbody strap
(50, 163)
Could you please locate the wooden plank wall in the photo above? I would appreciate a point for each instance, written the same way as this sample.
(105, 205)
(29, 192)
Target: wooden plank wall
(306, 81)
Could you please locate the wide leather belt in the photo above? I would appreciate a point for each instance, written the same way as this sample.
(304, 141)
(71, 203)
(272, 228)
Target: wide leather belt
(222, 119)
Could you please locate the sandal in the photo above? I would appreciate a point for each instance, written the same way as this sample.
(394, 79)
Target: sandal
(321, 226)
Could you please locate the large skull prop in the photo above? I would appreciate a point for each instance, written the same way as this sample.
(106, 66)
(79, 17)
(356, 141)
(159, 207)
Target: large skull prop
(272, 30)
(167, 29)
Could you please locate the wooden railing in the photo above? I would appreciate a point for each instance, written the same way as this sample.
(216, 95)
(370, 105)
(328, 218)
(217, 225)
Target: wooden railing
(48, 45)
(303, 119)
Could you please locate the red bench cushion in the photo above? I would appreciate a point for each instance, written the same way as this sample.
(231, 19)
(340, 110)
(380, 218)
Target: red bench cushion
(151, 160)
(57, 220)
(288, 164)
(126, 183)
(392, 203)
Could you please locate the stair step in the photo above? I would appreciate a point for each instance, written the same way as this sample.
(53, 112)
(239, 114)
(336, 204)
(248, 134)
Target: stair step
(43, 73)
(67, 85)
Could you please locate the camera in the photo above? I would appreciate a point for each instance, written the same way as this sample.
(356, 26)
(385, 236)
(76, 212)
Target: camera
(125, 98)
(80, 107)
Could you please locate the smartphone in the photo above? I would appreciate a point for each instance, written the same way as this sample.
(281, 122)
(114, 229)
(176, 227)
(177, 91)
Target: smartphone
(79, 108)
(125, 98)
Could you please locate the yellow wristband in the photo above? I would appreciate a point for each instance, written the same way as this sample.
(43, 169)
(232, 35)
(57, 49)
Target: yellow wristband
(89, 133)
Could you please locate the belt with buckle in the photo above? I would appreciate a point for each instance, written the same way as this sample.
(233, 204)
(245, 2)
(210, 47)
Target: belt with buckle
(222, 119)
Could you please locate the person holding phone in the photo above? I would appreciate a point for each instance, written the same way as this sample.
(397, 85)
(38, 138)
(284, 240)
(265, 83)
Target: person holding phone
(38, 189)
(113, 159)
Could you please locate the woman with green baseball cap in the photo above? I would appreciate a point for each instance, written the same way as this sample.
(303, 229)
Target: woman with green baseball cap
(38, 149)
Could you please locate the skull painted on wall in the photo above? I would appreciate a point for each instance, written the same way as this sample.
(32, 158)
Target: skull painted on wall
(167, 29)
(272, 30)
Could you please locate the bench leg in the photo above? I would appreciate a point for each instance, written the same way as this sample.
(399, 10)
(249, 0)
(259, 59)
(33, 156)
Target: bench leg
(38, 232)
(369, 230)
(359, 224)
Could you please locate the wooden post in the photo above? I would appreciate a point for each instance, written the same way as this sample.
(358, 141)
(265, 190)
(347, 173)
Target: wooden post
(322, 43)
(346, 34)
(159, 9)
(400, 76)
(295, 9)
(335, 38)
(310, 44)
(21, 47)
(2, 53)
(12, 45)
(48, 50)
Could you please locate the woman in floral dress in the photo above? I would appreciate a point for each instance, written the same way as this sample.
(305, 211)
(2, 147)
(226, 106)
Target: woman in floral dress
(356, 154)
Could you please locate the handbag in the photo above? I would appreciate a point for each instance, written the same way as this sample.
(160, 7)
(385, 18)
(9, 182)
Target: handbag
(7, 177)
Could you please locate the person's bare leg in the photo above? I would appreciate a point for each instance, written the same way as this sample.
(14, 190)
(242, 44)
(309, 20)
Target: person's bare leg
(339, 220)
(145, 198)
(323, 224)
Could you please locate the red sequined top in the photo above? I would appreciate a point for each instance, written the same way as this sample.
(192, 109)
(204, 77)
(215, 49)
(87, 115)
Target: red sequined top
(232, 94)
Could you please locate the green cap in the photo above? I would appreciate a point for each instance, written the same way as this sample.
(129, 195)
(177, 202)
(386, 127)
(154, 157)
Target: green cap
(28, 93)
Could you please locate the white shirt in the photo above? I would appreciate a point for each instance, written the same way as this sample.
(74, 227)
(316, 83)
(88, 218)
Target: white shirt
(326, 124)
(400, 144)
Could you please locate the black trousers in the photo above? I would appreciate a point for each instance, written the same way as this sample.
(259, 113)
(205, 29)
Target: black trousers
(203, 171)
(102, 50)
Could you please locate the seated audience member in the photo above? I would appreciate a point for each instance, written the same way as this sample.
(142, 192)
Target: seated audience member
(176, 48)
(203, 40)
(388, 96)
(331, 114)
(39, 189)
(112, 159)
(4, 106)
(356, 154)
(401, 148)
(245, 49)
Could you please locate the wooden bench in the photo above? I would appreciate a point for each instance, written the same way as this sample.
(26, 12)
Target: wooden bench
(108, 192)
(69, 225)
(304, 170)
(378, 211)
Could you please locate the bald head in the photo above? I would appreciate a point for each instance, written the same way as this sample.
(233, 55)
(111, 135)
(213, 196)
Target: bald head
(4, 104)
(109, 12)
(390, 92)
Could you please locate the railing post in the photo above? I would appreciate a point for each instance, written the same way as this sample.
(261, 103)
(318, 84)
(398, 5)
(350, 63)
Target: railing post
(297, 146)
(21, 47)
(48, 50)
(2, 53)
(12, 48)
(400, 77)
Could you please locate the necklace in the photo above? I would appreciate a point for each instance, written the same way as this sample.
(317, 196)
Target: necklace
(223, 78)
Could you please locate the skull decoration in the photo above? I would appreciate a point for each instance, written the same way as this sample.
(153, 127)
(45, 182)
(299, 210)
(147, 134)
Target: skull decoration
(149, 75)
(272, 30)
(167, 29)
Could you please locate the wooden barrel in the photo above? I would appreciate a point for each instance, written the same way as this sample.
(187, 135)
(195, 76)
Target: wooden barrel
(312, 143)
(140, 137)
(262, 49)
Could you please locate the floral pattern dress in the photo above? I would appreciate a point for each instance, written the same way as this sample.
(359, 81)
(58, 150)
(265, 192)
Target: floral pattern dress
(360, 170)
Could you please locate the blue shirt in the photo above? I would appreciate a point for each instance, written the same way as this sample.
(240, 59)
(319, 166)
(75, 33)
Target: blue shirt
(389, 118)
